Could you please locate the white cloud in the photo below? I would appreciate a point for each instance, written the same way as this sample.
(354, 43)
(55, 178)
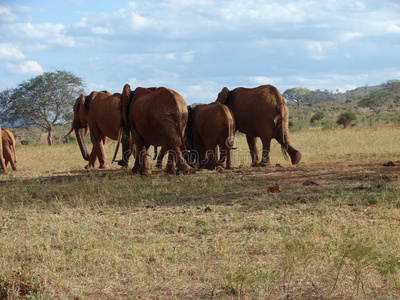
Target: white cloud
(394, 28)
(25, 68)
(138, 22)
(350, 35)
(102, 30)
(188, 56)
(260, 80)
(46, 33)
(6, 14)
(10, 51)
(319, 50)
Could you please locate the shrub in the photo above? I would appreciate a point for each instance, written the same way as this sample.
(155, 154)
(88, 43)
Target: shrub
(346, 118)
(26, 142)
(316, 117)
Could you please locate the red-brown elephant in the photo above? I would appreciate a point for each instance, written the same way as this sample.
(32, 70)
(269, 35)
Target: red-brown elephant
(100, 112)
(211, 126)
(2, 163)
(156, 117)
(261, 112)
(8, 152)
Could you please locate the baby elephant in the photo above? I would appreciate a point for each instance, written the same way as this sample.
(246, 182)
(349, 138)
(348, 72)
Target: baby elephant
(209, 126)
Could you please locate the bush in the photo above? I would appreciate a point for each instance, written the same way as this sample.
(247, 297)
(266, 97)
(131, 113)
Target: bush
(316, 117)
(346, 118)
(26, 142)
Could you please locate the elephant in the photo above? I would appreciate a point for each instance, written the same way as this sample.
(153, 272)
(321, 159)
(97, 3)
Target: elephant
(261, 112)
(2, 163)
(100, 112)
(157, 117)
(211, 126)
(9, 153)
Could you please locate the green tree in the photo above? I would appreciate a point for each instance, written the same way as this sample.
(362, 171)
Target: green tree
(296, 95)
(346, 118)
(376, 101)
(392, 86)
(43, 101)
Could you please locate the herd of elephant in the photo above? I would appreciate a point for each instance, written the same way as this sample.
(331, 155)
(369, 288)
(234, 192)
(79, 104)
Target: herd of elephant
(201, 136)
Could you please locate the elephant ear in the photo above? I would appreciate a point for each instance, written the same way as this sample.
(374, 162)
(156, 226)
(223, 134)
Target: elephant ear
(223, 96)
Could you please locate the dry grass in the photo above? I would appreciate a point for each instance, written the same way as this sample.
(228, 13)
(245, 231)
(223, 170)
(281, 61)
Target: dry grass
(377, 143)
(332, 233)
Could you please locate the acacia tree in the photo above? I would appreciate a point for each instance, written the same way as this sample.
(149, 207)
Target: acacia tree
(43, 101)
(296, 95)
(376, 101)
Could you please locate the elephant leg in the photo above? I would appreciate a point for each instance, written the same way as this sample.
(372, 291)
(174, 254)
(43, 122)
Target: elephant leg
(141, 162)
(102, 156)
(170, 169)
(12, 162)
(181, 164)
(92, 159)
(211, 156)
(266, 142)
(252, 142)
(98, 140)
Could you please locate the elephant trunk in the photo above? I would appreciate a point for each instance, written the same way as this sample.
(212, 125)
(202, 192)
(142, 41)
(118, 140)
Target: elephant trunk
(81, 143)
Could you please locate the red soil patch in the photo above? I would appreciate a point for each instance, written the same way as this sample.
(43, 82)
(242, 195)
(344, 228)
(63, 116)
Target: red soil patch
(329, 171)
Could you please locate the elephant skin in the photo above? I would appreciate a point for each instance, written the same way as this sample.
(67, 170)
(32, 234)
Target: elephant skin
(99, 112)
(211, 126)
(261, 112)
(156, 117)
(8, 143)
(2, 163)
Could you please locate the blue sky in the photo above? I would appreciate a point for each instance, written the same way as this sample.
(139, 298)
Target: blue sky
(198, 47)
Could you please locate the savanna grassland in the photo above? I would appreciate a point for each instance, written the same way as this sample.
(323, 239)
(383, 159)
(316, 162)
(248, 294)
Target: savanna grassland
(332, 233)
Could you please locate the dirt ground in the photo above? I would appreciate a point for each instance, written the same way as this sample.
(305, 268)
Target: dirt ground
(308, 173)
(335, 171)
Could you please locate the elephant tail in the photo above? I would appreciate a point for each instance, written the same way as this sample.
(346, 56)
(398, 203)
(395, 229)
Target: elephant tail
(282, 121)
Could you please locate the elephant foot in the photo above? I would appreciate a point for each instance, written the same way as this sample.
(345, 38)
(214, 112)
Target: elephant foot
(104, 167)
(122, 163)
(159, 165)
(265, 164)
(256, 165)
(88, 167)
(145, 172)
(170, 171)
(229, 167)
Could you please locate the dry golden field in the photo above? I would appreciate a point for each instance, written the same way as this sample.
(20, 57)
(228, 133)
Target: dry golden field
(331, 233)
